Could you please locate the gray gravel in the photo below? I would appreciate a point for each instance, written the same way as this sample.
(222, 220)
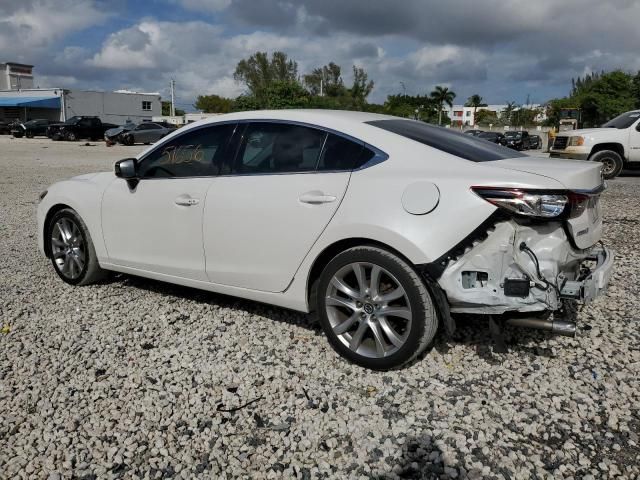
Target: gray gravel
(138, 379)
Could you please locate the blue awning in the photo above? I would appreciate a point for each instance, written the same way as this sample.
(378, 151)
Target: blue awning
(32, 102)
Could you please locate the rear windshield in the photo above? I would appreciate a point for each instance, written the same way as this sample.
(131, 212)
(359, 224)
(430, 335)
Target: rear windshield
(446, 140)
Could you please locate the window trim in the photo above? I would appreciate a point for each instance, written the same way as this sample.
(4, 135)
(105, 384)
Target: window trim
(379, 155)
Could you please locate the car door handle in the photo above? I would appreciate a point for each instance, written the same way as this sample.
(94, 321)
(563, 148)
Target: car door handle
(315, 198)
(186, 201)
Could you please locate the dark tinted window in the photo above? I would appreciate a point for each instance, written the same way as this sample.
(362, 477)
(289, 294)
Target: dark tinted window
(623, 121)
(278, 147)
(446, 140)
(196, 153)
(341, 153)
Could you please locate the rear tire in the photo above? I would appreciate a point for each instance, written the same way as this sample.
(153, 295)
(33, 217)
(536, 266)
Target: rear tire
(375, 309)
(72, 253)
(71, 136)
(612, 163)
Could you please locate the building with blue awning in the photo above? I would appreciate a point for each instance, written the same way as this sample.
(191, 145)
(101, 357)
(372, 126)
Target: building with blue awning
(20, 101)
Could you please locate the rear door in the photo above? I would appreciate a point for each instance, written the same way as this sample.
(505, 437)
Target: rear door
(269, 207)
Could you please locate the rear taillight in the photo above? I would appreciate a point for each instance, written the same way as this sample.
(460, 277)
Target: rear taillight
(528, 203)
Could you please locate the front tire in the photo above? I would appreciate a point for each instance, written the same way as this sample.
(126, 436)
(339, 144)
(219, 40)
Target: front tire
(375, 309)
(72, 253)
(612, 163)
(71, 136)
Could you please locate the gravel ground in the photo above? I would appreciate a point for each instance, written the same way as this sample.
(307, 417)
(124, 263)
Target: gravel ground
(138, 379)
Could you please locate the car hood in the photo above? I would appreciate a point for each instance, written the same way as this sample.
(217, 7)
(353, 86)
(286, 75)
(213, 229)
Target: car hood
(573, 174)
(594, 133)
(115, 131)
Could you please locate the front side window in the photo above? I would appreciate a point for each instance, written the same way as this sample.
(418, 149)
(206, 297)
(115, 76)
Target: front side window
(278, 148)
(195, 153)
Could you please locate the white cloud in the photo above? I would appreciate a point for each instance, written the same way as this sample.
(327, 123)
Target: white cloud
(35, 24)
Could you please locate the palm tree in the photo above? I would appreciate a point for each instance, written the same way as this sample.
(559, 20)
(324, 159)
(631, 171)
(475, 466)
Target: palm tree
(440, 96)
(508, 110)
(475, 101)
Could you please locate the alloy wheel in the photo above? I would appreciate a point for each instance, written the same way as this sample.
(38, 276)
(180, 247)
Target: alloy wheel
(68, 248)
(368, 310)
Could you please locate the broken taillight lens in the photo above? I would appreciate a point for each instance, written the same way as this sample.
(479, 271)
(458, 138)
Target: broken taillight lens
(527, 203)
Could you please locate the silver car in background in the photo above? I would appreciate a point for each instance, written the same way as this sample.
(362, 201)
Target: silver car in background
(131, 133)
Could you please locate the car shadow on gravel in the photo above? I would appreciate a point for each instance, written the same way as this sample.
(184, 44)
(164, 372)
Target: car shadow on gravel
(271, 312)
(470, 331)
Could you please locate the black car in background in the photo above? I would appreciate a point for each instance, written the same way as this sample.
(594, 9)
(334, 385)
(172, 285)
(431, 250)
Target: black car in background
(5, 126)
(475, 133)
(79, 127)
(495, 137)
(518, 140)
(30, 129)
(535, 142)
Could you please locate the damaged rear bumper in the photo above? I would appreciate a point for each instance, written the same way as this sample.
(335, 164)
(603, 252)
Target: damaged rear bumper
(515, 267)
(595, 280)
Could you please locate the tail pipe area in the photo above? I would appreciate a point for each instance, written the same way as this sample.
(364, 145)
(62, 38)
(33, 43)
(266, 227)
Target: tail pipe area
(559, 327)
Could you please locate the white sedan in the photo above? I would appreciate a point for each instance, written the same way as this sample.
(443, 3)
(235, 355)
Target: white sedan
(386, 227)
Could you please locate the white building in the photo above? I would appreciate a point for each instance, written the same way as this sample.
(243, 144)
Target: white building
(19, 100)
(464, 116)
(14, 76)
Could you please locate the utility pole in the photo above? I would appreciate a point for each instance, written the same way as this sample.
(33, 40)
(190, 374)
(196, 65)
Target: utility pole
(173, 98)
(321, 82)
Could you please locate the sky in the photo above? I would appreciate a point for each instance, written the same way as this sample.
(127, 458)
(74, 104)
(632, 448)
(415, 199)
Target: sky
(504, 50)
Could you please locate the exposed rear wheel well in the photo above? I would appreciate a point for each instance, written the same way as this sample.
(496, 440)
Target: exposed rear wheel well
(52, 211)
(615, 147)
(333, 250)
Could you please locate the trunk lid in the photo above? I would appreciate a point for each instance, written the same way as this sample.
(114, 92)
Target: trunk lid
(573, 174)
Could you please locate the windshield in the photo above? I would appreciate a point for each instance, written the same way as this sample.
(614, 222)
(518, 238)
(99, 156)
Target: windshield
(128, 126)
(447, 140)
(73, 120)
(623, 121)
(513, 134)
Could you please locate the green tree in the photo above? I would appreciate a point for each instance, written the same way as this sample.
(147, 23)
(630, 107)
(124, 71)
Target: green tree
(213, 104)
(361, 87)
(487, 117)
(166, 110)
(441, 96)
(475, 101)
(507, 114)
(277, 95)
(331, 79)
(259, 72)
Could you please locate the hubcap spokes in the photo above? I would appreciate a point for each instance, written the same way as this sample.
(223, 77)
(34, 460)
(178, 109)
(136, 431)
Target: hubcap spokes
(67, 248)
(608, 166)
(368, 309)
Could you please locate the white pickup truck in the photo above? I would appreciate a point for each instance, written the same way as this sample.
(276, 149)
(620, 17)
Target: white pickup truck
(615, 144)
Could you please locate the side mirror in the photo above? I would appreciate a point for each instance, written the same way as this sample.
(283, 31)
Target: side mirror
(126, 168)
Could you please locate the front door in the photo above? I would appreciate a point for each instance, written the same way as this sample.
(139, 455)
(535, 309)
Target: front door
(263, 216)
(156, 225)
(634, 143)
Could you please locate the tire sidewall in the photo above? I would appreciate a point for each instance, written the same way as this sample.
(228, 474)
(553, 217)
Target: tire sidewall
(391, 264)
(67, 213)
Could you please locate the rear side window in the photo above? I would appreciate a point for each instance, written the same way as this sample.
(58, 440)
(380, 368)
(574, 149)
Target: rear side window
(278, 148)
(341, 153)
(446, 140)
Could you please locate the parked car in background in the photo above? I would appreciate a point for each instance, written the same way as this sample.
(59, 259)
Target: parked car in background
(30, 129)
(518, 140)
(475, 133)
(5, 127)
(495, 137)
(615, 145)
(79, 127)
(145, 132)
(113, 134)
(535, 142)
(285, 207)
